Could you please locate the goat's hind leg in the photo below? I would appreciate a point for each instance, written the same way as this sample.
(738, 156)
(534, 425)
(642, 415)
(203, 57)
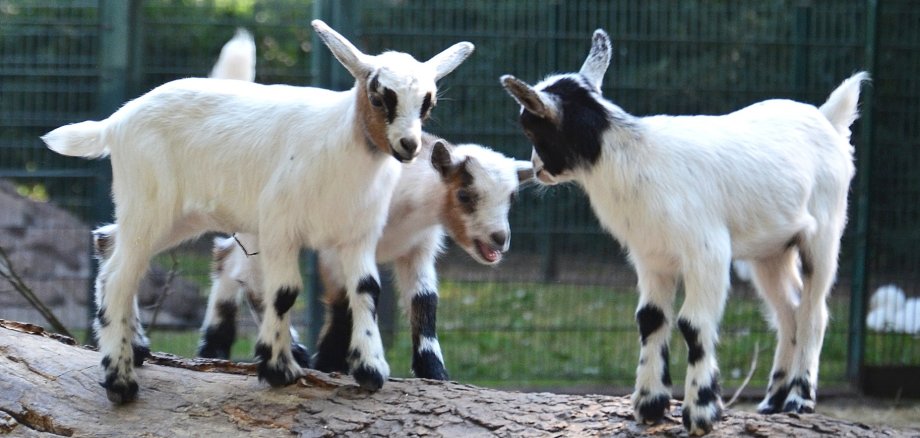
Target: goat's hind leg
(103, 245)
(819, 267)
(777, 281)
(116, 320)
(417, 280)
(654, 314)
(218, 331)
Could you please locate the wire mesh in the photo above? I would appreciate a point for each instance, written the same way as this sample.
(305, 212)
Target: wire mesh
(559, 310)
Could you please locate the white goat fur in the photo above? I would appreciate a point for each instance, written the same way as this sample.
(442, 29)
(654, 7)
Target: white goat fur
(237, 58)
(413, 236)
(686, 194)
(297, 166)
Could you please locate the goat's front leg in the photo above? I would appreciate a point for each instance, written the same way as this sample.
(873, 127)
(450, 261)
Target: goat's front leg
(706, 284)
(282, 284)
(657, 287)
(257, 309)
(417, 280)
(366, 361)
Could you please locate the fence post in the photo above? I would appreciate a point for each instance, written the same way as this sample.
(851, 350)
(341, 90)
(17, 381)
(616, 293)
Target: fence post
(859, 286)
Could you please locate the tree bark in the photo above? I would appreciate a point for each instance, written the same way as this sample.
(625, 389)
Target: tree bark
(49, 386)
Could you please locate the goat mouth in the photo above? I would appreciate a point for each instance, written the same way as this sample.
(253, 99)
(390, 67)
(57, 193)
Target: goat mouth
(487, 252)
(402, 158)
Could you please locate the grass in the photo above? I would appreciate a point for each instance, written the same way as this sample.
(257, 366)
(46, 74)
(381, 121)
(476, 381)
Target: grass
(550, 336)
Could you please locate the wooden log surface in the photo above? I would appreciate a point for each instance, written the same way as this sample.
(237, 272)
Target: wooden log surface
(49, 387)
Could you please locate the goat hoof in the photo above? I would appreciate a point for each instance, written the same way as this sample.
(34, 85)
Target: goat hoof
(141, 352)
(368, 378)
(370, 374)
(119, 392)
(301, 355)
(276, 371)
(795, 396)
(278, 375)
(698, 420)
(427, 365)
(651, 408)
(798, 405)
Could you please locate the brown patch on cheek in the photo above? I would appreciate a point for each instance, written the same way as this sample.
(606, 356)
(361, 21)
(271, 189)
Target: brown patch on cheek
(374, 123)
(454, 213)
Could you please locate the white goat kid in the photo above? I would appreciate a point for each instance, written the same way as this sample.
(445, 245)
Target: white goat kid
(297, 166)
(685, 195)
(464, 190)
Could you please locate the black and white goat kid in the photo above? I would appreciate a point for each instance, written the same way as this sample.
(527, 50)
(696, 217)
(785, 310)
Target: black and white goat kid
(297, 166)
(767, 183)
(464, 191)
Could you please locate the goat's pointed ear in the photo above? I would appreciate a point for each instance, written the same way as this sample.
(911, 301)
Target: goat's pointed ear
(446, 61)
(598, 59)
(441, 159)
(351, 58)
(532, 100)
(524, 171)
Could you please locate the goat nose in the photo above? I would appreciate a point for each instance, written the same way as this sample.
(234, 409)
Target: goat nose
(499, 238)
(409, 145)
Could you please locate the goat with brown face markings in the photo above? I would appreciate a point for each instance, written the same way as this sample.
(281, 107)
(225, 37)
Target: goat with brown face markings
(296, 166)
(463, 191)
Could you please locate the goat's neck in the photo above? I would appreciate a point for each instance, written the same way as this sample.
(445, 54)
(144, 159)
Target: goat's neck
(617, 182)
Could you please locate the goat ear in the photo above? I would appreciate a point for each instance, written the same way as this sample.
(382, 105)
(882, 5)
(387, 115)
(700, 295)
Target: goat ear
(598, 59)
(446, 61)
(532, 100)
(441, 159)
(524, 170)
(347, 54)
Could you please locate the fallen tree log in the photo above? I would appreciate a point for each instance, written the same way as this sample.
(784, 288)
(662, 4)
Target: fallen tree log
(49, 387)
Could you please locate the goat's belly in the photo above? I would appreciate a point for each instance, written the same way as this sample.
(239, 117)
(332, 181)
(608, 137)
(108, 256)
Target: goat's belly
(343, 224)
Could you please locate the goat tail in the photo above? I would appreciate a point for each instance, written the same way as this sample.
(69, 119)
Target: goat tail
(85, 139)
(237, 58)
(841, 107)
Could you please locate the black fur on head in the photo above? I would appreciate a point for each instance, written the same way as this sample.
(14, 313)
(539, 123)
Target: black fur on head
(573, 140)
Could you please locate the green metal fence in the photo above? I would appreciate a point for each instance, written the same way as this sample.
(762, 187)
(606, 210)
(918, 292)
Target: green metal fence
(558, 312)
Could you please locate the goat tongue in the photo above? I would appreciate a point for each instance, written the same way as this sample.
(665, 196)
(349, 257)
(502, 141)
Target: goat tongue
(487, 252)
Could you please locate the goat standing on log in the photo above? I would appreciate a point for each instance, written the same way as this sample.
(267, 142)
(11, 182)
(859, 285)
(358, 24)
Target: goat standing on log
(297, 166)
(464, 190)
(686, 194)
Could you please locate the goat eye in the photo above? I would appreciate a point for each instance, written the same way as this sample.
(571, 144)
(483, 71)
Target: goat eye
(376, 100)
(426, 107)
(464, 196)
